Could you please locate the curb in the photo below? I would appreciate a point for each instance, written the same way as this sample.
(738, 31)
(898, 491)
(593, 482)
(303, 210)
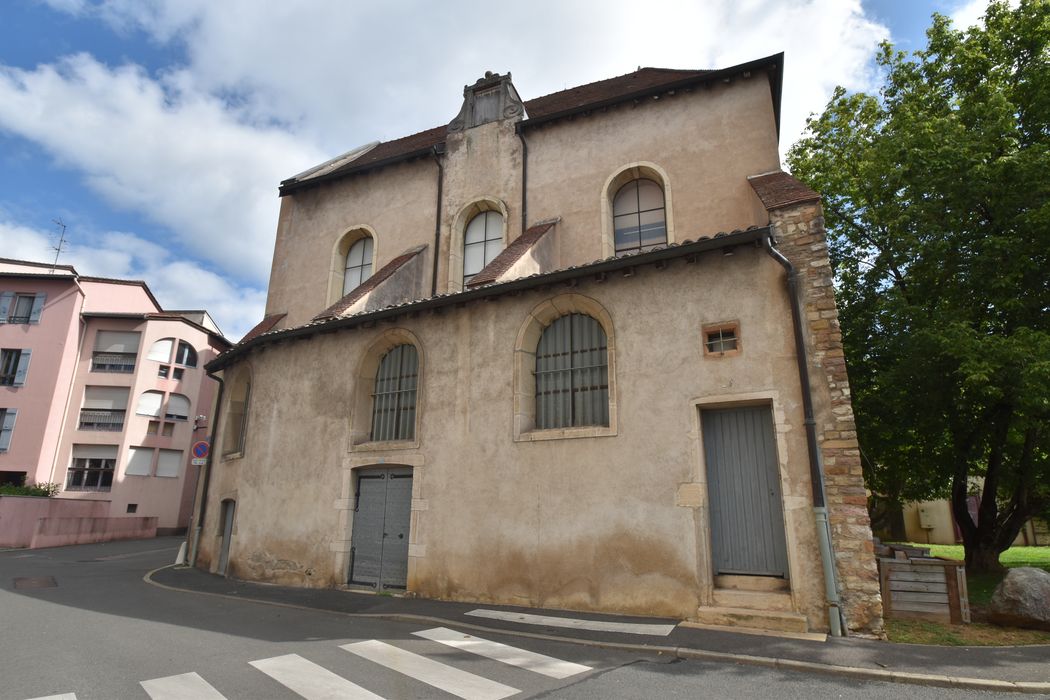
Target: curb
(854, 672)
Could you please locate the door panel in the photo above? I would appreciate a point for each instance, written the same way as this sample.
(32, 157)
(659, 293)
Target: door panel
(747, 517)
(379, 543)
(228, 510)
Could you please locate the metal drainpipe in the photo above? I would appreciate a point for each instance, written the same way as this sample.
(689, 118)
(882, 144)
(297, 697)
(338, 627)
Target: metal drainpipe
(207, 473)
(438, 152)
(816, 471)
(524, 175)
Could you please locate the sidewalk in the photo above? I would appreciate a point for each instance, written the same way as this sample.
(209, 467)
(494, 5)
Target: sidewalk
(1018, 669)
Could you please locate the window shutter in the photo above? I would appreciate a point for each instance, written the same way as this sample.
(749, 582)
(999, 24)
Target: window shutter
(149, 403)
(178, 407)
(7, 426)
(117, 341)
(169, 462)
(140, 461)
(161, 350)
(5, 305)
(38, 306)
(106, 398)
(23, 367)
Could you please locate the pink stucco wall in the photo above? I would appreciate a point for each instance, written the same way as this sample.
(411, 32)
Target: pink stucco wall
(19, 515)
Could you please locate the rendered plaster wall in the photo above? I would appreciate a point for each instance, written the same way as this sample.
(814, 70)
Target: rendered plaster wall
(611, 523)
(396, 203)
(706, 140)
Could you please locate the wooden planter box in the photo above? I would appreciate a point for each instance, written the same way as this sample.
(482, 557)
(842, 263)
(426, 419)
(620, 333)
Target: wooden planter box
(924, 588)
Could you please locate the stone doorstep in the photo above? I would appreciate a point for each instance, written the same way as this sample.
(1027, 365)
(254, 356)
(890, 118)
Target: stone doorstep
(775, 620)
(752, 600)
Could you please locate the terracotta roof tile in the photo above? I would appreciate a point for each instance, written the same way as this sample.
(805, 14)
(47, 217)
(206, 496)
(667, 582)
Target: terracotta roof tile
(602, 90)
(511, 254)
(358, 292)
(780, 189)
(263, 326)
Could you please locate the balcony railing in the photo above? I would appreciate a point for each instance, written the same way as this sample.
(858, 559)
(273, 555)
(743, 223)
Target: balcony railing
(113, 362)
(101, 419)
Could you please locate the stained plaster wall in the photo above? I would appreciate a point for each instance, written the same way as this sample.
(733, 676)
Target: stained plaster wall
(707, 140)
(598, 523)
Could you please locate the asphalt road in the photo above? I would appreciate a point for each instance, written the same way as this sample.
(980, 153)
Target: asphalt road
(100, 631)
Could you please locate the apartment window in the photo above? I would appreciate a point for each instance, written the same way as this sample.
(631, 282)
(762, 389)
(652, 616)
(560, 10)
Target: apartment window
(140, 461)
(133, 508)
(14, 366)
(176, 373)
(115, 351)
(160, 351)
(169, 463)
(358, 264)
(572, 374)
(21, 308)
(104, 408)
(167, 430)
(482, 242)
(162, 371)
(239, 393)
(153, 427)
(639, 218)
(149, 403)
(185, 355)
(394, 399)
(91, 468)
(178, 407)
(7, 427)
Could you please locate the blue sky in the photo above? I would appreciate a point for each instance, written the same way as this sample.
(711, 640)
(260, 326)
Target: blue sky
(158, 130)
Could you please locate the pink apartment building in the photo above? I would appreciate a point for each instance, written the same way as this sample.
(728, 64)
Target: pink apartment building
(102, 391)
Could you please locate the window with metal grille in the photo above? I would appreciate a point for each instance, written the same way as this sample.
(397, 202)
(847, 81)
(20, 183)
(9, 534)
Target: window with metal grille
(90, 474)
(722, 339)
(639, 219)
(572, 374)
(358, 264)
(482, 242)
(394, 399)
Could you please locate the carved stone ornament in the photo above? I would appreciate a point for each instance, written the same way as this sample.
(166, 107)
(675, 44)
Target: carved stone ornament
(491, 98)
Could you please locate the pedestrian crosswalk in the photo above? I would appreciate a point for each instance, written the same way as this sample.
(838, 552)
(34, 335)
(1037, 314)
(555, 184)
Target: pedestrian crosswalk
(313, 681)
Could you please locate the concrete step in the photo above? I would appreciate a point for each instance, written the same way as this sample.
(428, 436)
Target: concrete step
(752, 600)
(779, 620)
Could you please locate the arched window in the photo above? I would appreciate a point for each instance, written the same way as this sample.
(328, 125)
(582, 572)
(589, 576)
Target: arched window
(482, 242)
(161, 350)
(186, 355)
(149, 403)
(239, 389)
(178, 407)
(394, 400)
(572, 374)
(639, 218)
(358, 266)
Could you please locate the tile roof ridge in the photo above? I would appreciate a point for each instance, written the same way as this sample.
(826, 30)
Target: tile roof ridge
(361, 290)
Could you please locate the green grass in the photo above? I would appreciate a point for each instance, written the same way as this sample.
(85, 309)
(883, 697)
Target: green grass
(975, 634)
(981, 586)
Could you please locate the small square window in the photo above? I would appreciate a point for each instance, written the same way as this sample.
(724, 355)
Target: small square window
(133, 507)
(176, 374)
(167, 430)
(722, 339)
(162, 371)
(152, 427)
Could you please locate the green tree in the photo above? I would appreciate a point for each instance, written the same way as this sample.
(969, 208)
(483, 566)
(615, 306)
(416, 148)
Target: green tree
(936, 195)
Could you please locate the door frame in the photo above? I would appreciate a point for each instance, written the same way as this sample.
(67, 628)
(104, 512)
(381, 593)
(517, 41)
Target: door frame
(796, 516)
(227, 523)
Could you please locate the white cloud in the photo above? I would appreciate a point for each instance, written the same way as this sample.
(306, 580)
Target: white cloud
(173, 156)
(971, 12)
(177, 284)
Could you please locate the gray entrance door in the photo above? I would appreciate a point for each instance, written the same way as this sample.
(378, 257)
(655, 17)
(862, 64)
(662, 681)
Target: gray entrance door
(747, 517)
(379, 543)
(228, 508)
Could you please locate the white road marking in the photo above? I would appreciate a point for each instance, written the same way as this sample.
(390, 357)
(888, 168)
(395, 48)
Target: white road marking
(451, 680)
(62, 696)
(311, 681)
(187, 686)
(573, 623)
(522, 658)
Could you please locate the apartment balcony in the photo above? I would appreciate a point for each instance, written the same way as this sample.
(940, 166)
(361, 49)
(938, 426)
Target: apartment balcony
(120, 362)
(101, 419)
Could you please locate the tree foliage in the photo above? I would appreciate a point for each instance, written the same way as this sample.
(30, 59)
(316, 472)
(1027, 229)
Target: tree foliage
(936, 195)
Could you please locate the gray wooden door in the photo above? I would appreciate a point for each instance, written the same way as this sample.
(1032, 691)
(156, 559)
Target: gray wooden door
(747, 516)
(228, 509)
(379, 543)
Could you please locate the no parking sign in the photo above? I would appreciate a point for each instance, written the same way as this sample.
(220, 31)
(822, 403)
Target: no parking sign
(200, 453)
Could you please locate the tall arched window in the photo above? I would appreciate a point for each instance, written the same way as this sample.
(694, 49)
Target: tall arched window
(394, 400)
(482, 242)
(186, 355)
(358, 264)
(238, 394)
(639, 218)
(572, 374)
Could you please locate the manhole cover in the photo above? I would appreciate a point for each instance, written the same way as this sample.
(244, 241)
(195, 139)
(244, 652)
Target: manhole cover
(35, 582)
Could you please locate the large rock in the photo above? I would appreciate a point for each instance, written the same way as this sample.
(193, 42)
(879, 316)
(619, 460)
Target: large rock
(1022, 599)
